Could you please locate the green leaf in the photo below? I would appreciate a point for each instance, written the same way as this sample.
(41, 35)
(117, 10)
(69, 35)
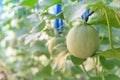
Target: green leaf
(107, 63)
(7, 2)
(31, 37)
(90, 1)
(43, 73)
(101, 9)
(117, 62)
(48, 3)
(7, 22)
(73, 0)
(38, 28)
(32, 21)
(21, 54)
(53, 16)
(35, 32)
(95, 78)
(77, 61)
(38, 47)
(76, 70)
(111, 53)
(111, 77)
(49, 32)
(30, 3)
(73, 11)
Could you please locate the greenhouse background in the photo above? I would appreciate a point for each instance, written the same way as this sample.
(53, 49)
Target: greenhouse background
(33, 39)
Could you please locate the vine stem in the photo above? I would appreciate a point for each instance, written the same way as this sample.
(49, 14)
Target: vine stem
(86, 72)
(103, 73)
(117, 17)
(109, 28)
(95, 65)
(91, 13)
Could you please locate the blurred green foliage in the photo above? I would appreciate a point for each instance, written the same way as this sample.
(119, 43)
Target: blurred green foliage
(25, 33)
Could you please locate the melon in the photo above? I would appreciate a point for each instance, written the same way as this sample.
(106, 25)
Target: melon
(82, 41)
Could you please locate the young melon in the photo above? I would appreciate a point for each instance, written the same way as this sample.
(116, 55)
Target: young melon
(82, 41)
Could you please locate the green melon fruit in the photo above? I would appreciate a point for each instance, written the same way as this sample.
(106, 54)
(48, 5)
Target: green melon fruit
(82, 41)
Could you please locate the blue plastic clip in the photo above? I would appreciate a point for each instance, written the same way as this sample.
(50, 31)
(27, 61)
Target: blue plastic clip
(37, 6)
(85, 15)
(58, 22)
(23, 12)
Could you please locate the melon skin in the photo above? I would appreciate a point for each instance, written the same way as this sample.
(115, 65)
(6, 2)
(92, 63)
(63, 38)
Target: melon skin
(82, 41)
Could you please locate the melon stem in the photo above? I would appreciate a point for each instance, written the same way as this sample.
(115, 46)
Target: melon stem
(85, 71)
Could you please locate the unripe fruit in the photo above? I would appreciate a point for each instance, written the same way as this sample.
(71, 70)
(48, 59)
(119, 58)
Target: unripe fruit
(82, 41)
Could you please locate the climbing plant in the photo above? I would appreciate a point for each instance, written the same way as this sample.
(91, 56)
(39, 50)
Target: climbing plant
(60, 39)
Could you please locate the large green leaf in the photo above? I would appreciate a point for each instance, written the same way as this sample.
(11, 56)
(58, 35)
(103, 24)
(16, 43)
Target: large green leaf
(7, 22)
(35, 32)
(89, 1)
(31, 37)
(95, 78)
(111, 53)
(49, 32)
(73, 11)
(107, 63)
(104, 12)
(111, 77)
(76, 70)
(53, 16)
(48, 3)
(38, 28)
(6, 2)
(30, 3)
(43, 73)
(77, 61)
(38, 47)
